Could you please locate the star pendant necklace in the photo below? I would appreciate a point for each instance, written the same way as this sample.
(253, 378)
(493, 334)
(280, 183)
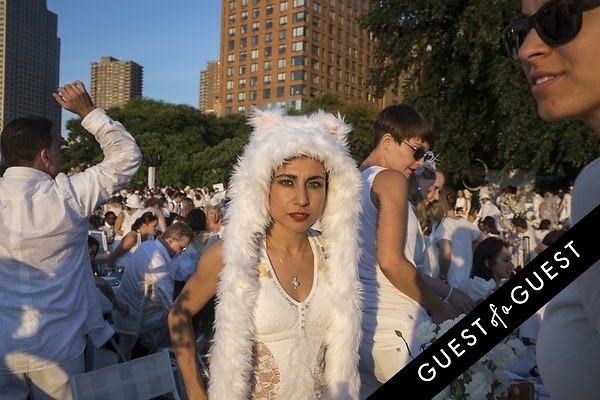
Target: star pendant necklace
(295, 281)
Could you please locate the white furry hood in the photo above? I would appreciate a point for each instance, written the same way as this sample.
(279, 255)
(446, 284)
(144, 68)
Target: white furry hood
(276, 138)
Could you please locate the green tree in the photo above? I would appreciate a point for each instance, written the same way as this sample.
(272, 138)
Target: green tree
(448, 60)
(195, 148)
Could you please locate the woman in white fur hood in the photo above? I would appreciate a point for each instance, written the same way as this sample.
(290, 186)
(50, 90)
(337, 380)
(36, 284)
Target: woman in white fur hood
(287, 318)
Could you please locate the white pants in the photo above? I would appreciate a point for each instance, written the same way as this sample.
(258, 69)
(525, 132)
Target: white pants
(50, 383)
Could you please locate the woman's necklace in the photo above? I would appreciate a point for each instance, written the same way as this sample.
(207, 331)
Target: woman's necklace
(295, 281)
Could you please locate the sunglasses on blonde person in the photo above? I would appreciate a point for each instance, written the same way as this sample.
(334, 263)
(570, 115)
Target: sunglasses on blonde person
(556, 22)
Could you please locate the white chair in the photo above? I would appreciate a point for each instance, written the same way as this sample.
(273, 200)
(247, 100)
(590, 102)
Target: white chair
(100, 236)
(132, 335)
(143, 378)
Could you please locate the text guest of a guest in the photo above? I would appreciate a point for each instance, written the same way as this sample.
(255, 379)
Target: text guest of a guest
(519, 295)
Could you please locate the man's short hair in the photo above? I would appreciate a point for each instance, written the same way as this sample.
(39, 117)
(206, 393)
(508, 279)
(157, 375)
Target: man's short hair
(23, 138)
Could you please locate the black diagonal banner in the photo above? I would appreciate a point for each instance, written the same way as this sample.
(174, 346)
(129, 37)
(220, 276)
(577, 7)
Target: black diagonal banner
(498, 315)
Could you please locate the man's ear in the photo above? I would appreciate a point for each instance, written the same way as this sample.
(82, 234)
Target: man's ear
(44, 155)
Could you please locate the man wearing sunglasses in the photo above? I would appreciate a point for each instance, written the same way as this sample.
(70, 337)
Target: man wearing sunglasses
(556, 43)
(48, 296)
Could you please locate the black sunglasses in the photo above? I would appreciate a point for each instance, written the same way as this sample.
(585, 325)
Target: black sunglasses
(557, 22)
(418, 152)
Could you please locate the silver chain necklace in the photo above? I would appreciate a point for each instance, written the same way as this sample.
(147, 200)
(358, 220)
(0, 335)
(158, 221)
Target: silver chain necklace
(295, 281)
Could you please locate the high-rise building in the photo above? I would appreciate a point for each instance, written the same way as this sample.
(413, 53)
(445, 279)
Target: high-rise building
(280, 54)
(29, 61)
(209, 86)
(115, 82)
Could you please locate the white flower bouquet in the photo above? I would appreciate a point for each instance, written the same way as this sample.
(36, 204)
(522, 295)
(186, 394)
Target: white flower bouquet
(486, 378)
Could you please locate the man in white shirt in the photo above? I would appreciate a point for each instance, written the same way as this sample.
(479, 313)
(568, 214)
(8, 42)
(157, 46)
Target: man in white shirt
(488, 208)
(150, 264)
(49, 302)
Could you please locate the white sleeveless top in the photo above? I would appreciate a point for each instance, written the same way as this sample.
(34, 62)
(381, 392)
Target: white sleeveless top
(385, 308)
(289, 334)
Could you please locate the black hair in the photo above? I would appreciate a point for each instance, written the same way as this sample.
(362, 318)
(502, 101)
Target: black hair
(23, 138)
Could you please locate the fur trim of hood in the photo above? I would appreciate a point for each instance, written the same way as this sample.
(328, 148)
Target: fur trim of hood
(275, 139)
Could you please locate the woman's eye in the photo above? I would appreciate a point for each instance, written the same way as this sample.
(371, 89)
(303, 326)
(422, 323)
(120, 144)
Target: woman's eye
(315, 184)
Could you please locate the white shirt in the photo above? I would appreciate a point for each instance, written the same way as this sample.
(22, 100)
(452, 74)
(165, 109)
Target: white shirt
(149, 263)
(49, 301)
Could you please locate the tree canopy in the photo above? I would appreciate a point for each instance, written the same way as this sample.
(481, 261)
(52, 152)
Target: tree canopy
(447, 59)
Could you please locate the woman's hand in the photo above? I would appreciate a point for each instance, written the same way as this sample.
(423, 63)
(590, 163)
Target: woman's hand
(461, 301)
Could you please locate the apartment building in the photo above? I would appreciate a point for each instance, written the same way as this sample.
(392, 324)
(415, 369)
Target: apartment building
(29, 61)
(210, 80)
(282, 53)
(115, 82)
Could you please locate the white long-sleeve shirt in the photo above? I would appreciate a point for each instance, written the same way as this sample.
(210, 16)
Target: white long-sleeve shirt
(47, 292)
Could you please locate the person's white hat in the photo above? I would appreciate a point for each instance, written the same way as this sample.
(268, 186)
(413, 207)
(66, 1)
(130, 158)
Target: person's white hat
(484, 193)
(134, 201)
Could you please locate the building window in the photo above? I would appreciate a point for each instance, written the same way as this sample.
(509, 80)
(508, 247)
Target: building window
(281, 63)
(254, 67)
(267, 66)
(283, 6)
(315, 50)
(268, 51)
(230, 57)
(243, 42)
(269, 9)
(231, 31)
(269, 24)
(241, 109)
(268, 37)
(242, 83)
(297, 89)
(283, 20)
(267, 79)
(298, 60)
(244, 29)
(299, 16)
(230, 44)
(241, 96)
(244, 15)
(242, 56)
(316, 7)
(242, 69)
(281, 77)
(254, 40)
(298, 75)
(232, 5)
(299, 3)
(315, 64)
(255, 26)
(255, 13)
(282, 34)
(266, 93)
(254, 54)
(229, 85)
(253, 81)
(298, 46)
(281, 49)
(232, 18)
(253, 95)
(299, 31)
(280, 91)
(229, 71)
(228, 97)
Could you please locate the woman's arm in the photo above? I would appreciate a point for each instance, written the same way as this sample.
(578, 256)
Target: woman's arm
(197, 292)
(124, 246)
(119, 224)
(390, 195)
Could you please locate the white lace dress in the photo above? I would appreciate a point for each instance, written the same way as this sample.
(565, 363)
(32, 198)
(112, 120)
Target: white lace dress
(289, 361)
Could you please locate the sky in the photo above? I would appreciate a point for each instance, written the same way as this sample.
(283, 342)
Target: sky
(172, 41)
